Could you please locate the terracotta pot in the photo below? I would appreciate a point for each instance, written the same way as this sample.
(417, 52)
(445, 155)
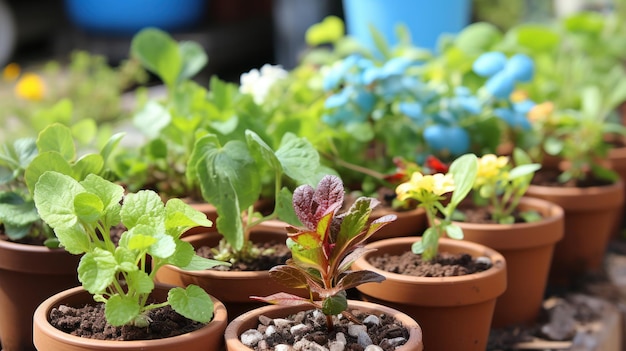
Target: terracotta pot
(232, 288)
(29, 274)
(527, 249)
(408, 223)
(250, 320)
(590, 215)
(454, 312)
(48, 338)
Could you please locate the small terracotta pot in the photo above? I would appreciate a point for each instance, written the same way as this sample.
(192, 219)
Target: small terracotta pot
(407, 223)
(29, 274)
(590, 216)
(455, 313)
(527, 249)
(250, 320)
(232, 288)
(48, 338)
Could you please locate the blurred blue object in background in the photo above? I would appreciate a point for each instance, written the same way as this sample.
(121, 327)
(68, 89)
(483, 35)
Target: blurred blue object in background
(426, 20)
(126, 17)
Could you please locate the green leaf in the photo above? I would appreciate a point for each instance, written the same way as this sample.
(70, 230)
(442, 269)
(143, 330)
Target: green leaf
(16, 211)
(524, 170)
(73, 239)
(531, 216)
(57, 137)
(110, 145)
(158, 53)
(591, 102)
(284, 208)
(43, 162)
(478, 37)
(120, 310)
(140, 241)
(179, 217)
(84, 130)
(57, 207)
(536, 37)
(88, 207)
(152, 119)
(25, 151)
(199, 263)
(140, 281)
(88, 164)
(328, 31)
(97, 270)
(109, 193)
(334, 305)
(143, 207)
(264, 154)
(464, 170)
(192, 302)
(454, 231)
(298, 158)
(164, 247)
(194, 58)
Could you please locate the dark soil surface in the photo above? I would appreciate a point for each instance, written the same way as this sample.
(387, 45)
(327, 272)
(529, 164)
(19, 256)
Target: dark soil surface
(276, 253)
(38, 241)
(549, 177)
(443, 265)
(89, 322)
(309, 328)
(476, 214)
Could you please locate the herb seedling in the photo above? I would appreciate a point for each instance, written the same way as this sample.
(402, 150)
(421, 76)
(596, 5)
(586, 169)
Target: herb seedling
(82, 214)
(324, 249)
(501, 186)
(430, 191)
(21, 164)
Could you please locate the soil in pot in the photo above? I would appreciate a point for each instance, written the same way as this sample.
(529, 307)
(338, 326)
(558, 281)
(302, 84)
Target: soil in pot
(274, 253)
(308, 330)
(442, 265)
(89, 321)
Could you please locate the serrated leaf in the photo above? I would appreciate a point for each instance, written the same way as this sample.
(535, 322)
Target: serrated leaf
(192, 302)
(88, 207)
(109, 193)
(88, 164)
(43, 162)
(180, 217)
(140, 241)
(143, 207)
(57, 138)
(140, 281)
(73, 239)
(57, 208)
(120, 310)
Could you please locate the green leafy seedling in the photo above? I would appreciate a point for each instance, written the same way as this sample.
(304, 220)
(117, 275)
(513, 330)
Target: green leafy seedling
(82, 214)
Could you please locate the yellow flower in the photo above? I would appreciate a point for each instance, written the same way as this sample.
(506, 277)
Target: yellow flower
(541, 111)
(419, 184)
(490, 166)
(30, 87)
(518, 96)
(11, 72)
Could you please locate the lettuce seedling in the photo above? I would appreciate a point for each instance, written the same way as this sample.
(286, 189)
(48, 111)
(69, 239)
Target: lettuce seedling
(325, 248)
(82, 214)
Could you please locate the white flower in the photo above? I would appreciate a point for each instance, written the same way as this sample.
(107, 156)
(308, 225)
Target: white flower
(258, 83)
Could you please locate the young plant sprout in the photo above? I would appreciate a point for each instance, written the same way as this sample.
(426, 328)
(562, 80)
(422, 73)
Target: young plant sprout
(324, 249)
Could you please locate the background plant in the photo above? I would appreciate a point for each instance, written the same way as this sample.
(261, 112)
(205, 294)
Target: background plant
(500, 184)
(325, 247)
(430, 191)
(83, 213)
(21, 164)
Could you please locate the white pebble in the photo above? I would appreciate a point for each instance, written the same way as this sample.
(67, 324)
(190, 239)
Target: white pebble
(483, 259)
(371, 319)
(396, 341)
(307, 345)
(373, 348)
(283, 347)
(270, 330)
(336, 346)
(356, 329)
(281, 323)
(341, 337)
(298, 327)
(251, 337)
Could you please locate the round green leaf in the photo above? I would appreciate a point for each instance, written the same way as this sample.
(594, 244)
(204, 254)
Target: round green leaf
(192, 302)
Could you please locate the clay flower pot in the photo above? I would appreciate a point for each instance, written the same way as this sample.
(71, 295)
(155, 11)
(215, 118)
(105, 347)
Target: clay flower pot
(527, 249)
(29, 274)
(48, 338)
(250, 320)
(455, 313)
(232, 288)
(617, 158)
(590, 215)
(407, 223)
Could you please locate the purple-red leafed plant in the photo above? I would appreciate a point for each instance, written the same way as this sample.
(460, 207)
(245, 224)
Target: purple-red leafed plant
(325, 248)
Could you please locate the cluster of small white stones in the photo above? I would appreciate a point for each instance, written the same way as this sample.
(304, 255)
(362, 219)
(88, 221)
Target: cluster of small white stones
(257, 338)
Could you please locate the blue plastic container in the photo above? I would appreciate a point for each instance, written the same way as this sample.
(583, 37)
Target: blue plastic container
(126, 17)
(426, 20)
